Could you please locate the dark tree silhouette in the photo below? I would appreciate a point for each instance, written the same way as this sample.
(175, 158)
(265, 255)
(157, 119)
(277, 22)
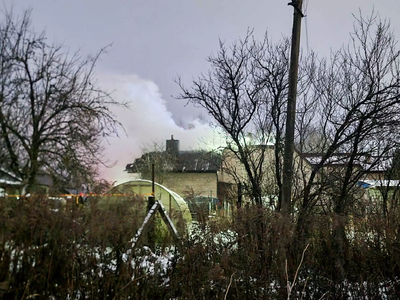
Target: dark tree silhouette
(53, 115)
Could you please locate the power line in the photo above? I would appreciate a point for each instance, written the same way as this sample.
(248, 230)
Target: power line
(306, 24)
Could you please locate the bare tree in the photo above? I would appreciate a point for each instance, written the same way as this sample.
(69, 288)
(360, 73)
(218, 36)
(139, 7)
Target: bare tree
(359, 98)
(53, 115)
(272, 70)
(358, 93)
(244, 93)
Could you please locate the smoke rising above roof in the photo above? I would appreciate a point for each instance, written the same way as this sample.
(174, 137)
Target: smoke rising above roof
(147, 121)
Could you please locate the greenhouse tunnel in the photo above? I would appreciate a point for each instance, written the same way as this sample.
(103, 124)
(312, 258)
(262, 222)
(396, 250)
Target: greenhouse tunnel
(175, 206)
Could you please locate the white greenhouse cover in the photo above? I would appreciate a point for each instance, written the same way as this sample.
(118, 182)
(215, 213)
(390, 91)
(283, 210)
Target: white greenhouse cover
(170, 199)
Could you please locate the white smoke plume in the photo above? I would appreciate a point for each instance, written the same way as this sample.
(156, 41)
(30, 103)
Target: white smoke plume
(147, 121)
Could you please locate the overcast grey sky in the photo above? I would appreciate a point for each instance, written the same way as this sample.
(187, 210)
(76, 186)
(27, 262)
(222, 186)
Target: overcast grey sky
(154, 41)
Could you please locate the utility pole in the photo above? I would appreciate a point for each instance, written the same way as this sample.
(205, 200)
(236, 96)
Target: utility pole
(291, 109)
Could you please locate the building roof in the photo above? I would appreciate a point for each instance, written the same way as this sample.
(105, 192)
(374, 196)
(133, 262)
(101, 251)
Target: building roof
(8, 178)
(367, 162)
(379, 183)
(197, 162)
(185, 161)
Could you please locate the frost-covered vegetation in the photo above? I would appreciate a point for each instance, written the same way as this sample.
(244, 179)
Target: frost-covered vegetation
(84, 253)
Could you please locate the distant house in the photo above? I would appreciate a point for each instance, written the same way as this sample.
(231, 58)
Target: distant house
(369, 178)
(261, 157)
(369, 167)
(9, 183)
(188, 173)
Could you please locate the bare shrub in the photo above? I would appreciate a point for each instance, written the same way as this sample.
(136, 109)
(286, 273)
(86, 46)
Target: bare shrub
(85, 252)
